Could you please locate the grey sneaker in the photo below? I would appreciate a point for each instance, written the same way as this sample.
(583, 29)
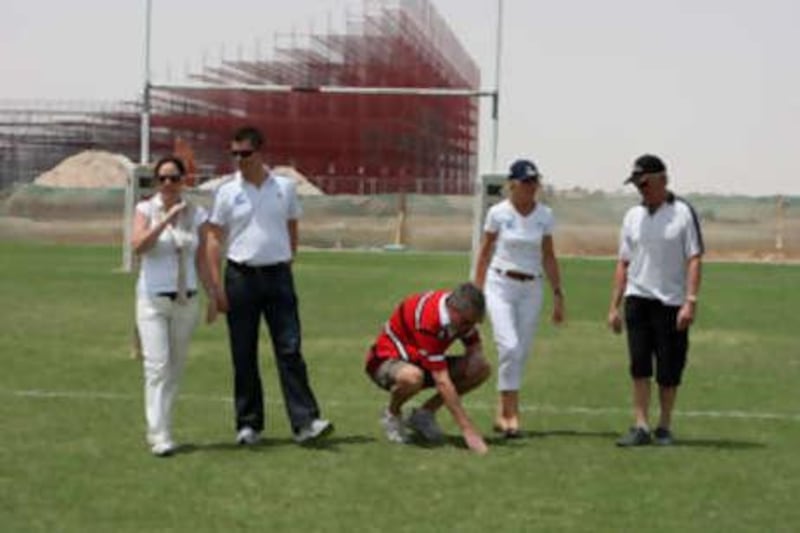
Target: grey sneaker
(424, 422)
(248, 436)
(663, 437)
(635, 437)
(394, 428)
(317, 430)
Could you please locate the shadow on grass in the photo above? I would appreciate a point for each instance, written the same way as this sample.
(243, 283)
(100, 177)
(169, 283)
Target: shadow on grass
(332, 443)
(523, 435)
(499, 439)
(720, 444)
(610, 436)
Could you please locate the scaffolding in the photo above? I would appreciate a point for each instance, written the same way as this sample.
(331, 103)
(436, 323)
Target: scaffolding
(350, 143)
(35, 135)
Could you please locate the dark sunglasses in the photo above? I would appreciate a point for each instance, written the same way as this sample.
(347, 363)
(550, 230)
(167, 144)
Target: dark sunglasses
(242, 154)
(642, 183)
(174, 178)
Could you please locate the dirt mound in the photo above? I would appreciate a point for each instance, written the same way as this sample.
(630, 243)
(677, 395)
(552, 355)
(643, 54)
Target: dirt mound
(304, 187)
(91, 169)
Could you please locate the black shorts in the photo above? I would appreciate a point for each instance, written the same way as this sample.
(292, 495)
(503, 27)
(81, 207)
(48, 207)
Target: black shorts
(652, 332)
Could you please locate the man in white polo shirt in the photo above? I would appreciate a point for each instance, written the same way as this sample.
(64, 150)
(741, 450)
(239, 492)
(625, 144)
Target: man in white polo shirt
(658, 272)
(255, 215)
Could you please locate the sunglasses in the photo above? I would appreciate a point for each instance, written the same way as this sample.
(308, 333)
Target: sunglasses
(642, 184)
(242, 154)
(174, 178)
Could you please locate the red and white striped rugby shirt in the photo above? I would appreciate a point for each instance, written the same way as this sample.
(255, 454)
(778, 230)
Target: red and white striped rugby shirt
(418, 332)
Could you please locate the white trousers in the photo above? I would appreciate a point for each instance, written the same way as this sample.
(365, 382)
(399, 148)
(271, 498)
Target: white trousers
(514, 308)
(165, 328)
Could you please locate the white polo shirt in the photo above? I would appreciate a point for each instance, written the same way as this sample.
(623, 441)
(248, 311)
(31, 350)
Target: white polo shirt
(255, 218)
(657, 247)
(519, 238)
(159, 265)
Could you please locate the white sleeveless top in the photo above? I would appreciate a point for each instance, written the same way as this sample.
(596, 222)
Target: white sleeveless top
(159, 265)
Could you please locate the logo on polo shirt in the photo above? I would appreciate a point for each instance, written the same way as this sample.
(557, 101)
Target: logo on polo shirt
(240, 199)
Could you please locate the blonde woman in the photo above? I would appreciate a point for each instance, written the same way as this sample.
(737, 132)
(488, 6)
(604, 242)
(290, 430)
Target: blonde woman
(166, 236)
(515, 253)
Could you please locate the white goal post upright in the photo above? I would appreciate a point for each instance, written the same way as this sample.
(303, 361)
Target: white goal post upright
(139, 185)
(490, 189)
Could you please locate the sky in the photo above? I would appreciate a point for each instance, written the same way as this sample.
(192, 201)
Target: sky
(712, 86)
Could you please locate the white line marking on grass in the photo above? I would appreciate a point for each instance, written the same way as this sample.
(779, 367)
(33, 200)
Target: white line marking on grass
(554, 409)
(594, 411)
(97, 395)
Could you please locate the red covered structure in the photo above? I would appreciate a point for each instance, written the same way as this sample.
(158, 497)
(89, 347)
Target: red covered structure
(345, 143)
(355, 143)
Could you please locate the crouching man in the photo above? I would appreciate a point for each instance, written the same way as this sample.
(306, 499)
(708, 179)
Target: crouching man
(410, 355)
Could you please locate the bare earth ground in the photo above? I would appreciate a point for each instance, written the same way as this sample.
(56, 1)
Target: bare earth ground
(734, 228)
(421, 233)
(61, 231)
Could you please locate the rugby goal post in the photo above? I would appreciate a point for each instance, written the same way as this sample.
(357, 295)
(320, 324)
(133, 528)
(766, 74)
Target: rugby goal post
(148, 86)
(134, 189)
(139, 185)
(490, 189)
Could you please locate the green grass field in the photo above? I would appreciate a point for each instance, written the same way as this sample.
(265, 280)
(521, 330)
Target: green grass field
(73, 458)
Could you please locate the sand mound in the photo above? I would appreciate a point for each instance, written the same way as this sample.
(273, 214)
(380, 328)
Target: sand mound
(304, 187)
(89, 170)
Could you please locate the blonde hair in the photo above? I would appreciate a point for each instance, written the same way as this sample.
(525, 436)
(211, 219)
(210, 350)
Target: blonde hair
(512, 184)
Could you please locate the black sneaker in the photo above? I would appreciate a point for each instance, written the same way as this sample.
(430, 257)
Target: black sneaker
(635, 437)
(663, 437)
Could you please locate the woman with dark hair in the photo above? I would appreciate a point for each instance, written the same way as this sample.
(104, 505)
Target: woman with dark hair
(167, 230)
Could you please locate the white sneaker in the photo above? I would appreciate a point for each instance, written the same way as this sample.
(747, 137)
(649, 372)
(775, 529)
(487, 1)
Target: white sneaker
(163, 449)
(318, 429)
(248, 436)
(424, 422)
(394, 428)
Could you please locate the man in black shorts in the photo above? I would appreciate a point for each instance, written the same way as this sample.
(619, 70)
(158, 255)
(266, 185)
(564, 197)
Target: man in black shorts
(658, 273)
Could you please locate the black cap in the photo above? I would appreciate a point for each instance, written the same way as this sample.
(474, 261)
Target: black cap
(646, 164)
(523, 169)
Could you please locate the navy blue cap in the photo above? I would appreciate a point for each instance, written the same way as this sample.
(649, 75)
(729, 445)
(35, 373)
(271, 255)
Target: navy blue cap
(645, 164)
(523, 169)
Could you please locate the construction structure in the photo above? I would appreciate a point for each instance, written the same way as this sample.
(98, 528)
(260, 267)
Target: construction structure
(351, 143)
(35, 136)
